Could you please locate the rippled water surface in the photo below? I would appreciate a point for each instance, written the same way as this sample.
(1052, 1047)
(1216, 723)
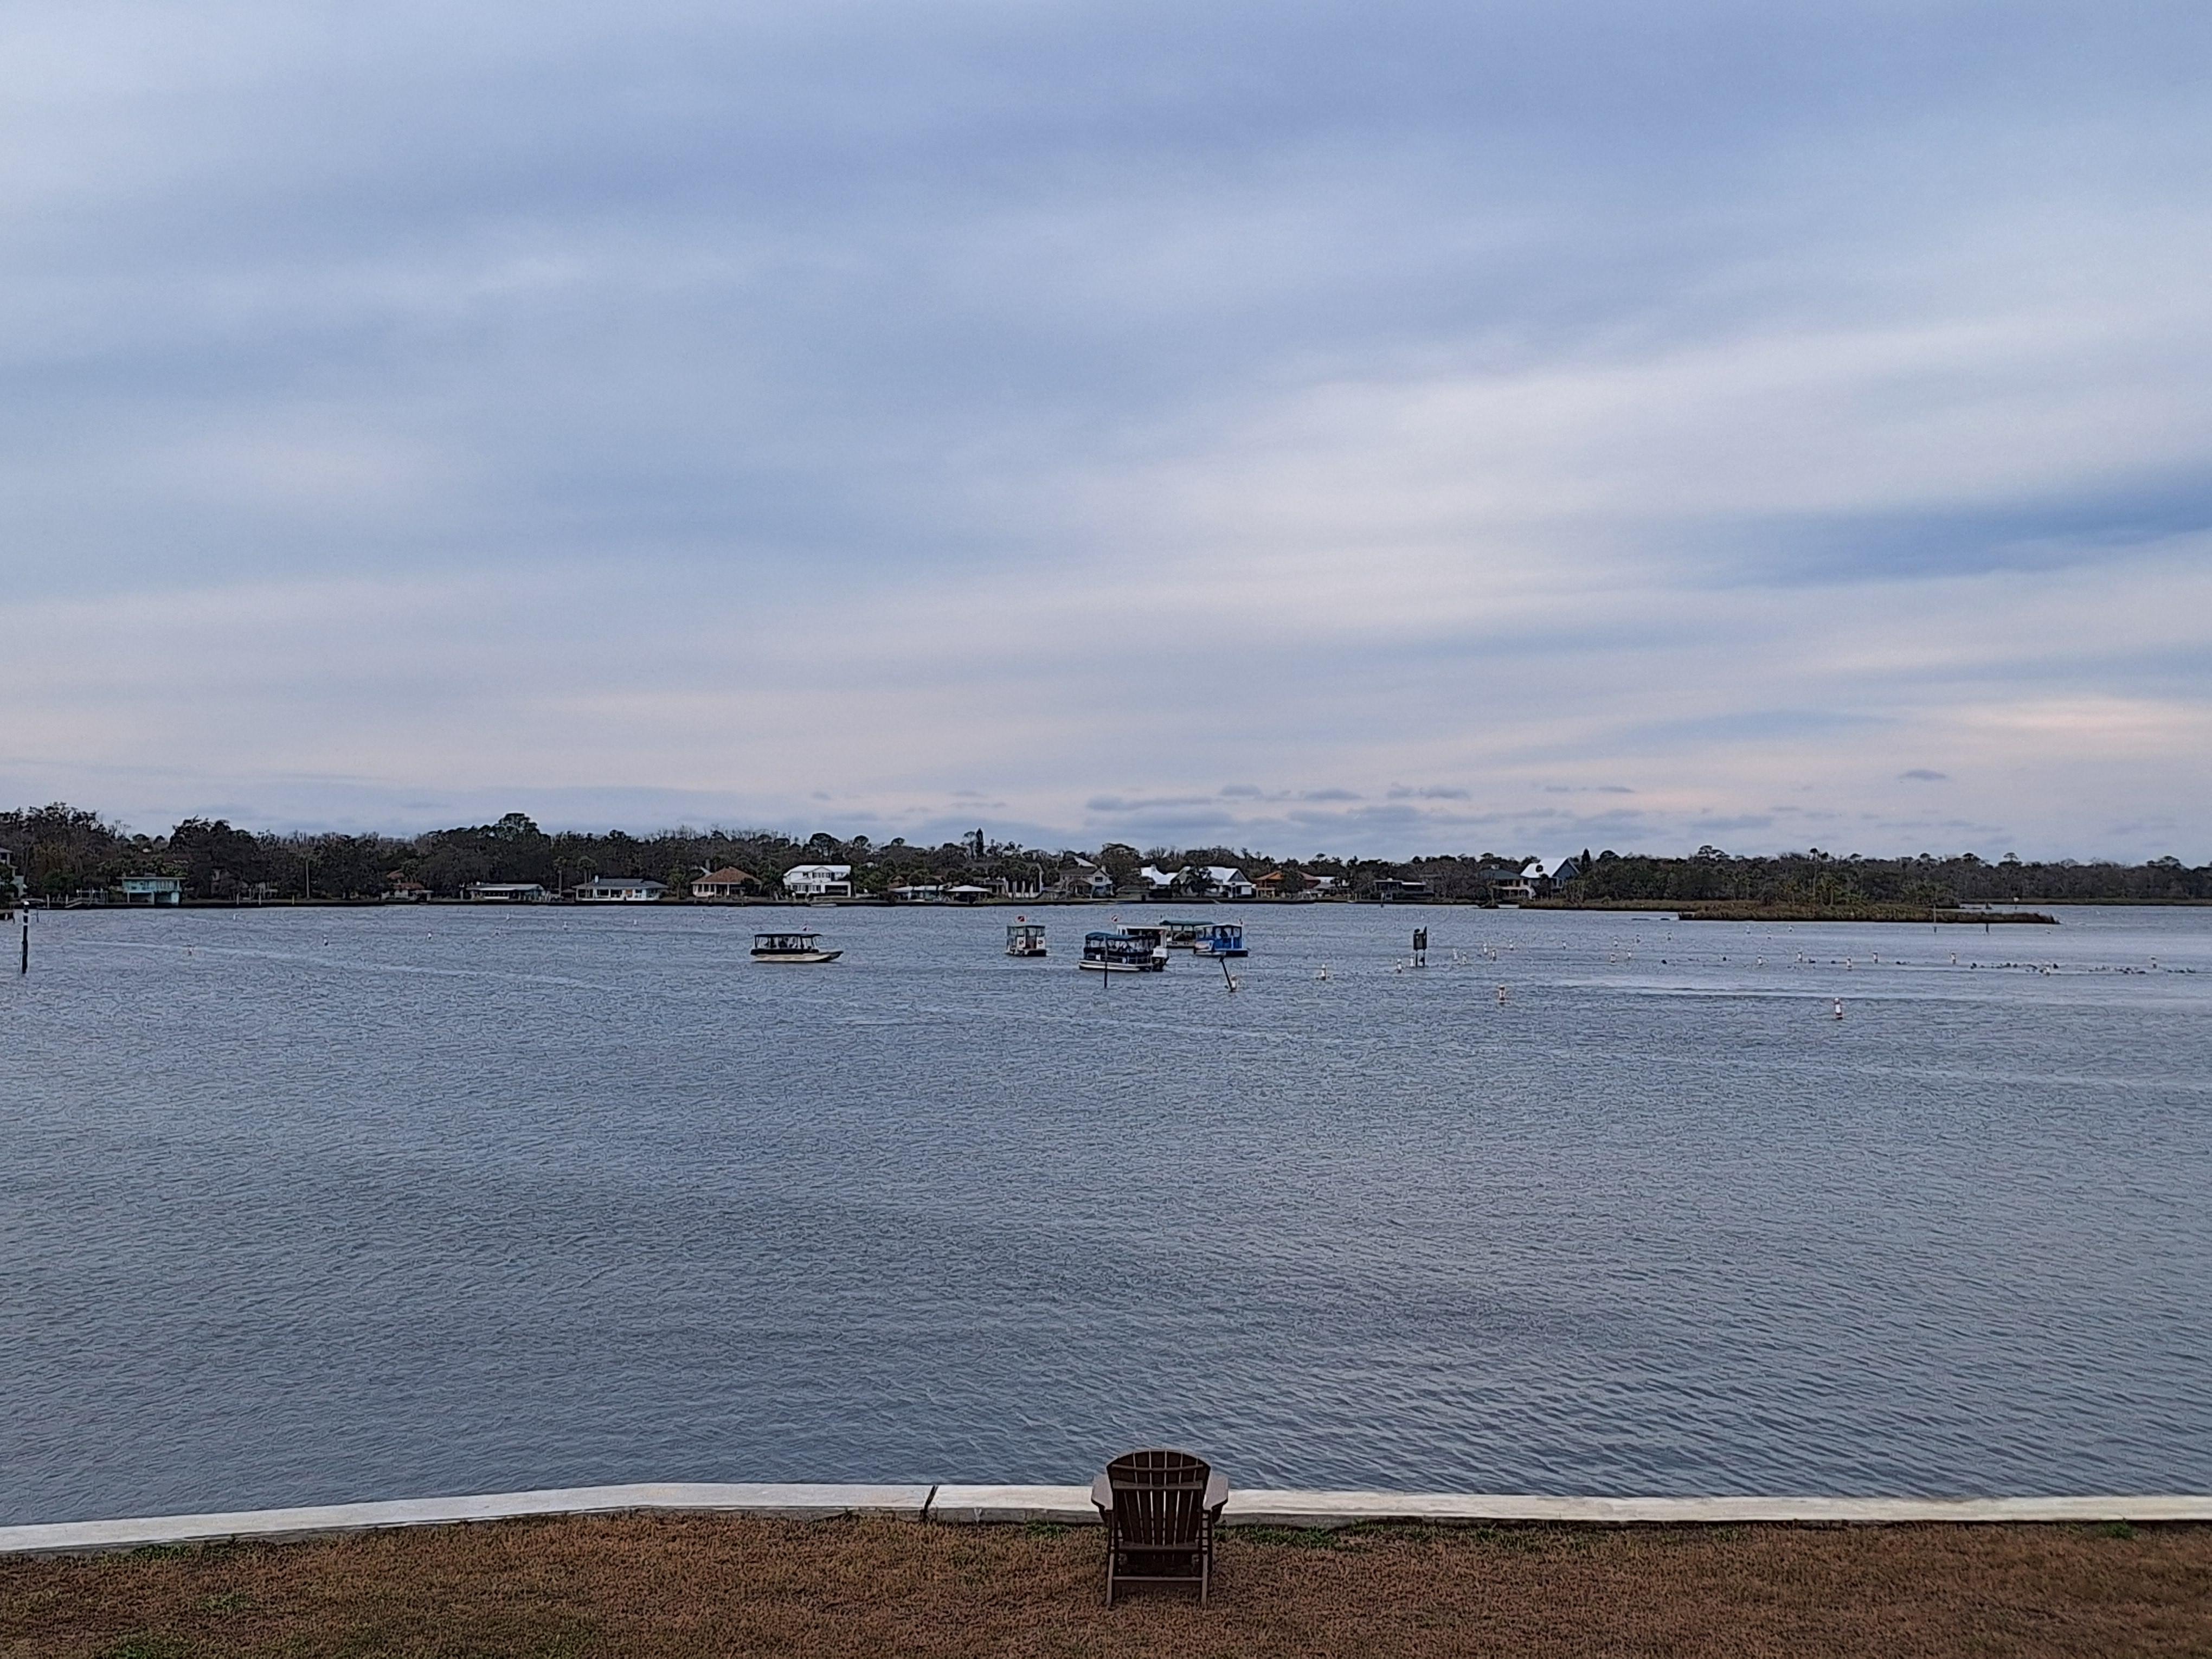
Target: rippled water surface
(312, 1205)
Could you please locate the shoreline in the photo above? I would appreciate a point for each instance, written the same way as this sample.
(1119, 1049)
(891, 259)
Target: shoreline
(1680, 909)
(952, 1503)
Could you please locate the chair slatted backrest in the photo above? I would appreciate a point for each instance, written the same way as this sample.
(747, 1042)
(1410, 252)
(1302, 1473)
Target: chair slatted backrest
(1160, 1498)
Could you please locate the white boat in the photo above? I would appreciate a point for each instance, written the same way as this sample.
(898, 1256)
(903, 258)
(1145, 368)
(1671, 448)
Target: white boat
(792, 947)
(1025, 939)
(1123, 951)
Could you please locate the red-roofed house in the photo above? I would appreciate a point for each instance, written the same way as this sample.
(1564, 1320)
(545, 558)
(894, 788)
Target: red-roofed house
(727, 882)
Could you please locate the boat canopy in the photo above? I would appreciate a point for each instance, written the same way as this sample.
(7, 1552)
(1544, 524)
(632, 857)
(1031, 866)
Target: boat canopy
(784, 941)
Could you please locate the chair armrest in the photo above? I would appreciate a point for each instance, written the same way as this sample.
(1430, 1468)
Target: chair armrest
(1102, 1495)
(1217, 1492)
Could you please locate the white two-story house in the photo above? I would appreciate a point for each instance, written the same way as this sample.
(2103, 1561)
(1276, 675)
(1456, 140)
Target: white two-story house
(818, 881)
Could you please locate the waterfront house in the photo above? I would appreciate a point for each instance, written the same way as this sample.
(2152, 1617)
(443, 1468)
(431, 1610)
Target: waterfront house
(1157, 884)
(403, 889)
(818, 881)
(1279, 884)
(1221, 881)
(915, 892)
(504, 892)
(727, 882)
(1195, 881)
(153, 890)
(1392, 890)
(1567, 871)
(618, 889)
(1085, 881)
(1520, 886)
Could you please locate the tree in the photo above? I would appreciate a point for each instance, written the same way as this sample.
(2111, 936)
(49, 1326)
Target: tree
(60, 848)
(214, 858)
(1119, 860)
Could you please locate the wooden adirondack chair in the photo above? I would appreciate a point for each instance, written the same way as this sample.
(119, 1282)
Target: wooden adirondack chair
(1159, 1509)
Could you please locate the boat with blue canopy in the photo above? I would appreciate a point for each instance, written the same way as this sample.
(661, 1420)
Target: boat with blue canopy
(1220, 939)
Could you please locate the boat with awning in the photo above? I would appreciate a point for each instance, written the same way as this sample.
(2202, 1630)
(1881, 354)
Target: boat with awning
(1219, 938)
(792, 947)
(1123, 951)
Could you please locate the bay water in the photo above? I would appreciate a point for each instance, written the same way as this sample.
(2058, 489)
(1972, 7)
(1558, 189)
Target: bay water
(314, 1205)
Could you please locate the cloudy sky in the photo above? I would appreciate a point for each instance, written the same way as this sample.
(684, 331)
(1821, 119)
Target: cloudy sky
(1323, 426)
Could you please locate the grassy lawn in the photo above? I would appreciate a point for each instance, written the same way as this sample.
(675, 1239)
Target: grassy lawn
(709, 1585)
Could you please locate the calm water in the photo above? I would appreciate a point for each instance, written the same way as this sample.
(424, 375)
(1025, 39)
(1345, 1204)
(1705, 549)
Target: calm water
(315, 1205)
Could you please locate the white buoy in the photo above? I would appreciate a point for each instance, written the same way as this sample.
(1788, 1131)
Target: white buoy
(1839, 1007)
(1501, 996)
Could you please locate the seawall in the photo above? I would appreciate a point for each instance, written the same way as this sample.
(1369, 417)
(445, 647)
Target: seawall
(973, 1505)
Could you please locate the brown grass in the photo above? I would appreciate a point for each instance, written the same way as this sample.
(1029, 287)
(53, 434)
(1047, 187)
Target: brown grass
(702, 1585)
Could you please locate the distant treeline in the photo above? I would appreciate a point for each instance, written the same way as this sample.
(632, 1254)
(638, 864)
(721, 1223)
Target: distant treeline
(62, 851)
(1825, 879)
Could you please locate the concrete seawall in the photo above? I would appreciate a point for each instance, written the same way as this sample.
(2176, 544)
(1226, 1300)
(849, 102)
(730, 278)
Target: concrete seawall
(983, 1504)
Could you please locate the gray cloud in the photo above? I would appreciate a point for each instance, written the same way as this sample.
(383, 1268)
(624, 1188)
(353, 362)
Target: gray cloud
(701, 408)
